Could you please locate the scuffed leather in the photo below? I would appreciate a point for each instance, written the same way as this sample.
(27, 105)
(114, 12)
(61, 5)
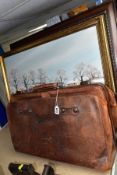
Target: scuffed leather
(83, 137)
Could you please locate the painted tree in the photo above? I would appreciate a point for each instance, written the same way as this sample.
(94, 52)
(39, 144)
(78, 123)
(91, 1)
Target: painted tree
(14, 79)
(42, 76)
(61, 77)
(84, 72)
(92, 72)
(25, 81)
(32, 76)
(80, 72)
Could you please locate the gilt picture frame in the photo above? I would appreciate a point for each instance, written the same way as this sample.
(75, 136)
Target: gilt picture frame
(57, 57)
(4, 90)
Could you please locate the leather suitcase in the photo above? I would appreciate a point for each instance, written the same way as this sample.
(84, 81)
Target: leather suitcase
(81, 133)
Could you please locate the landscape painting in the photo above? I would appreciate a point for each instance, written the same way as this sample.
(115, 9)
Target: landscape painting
(68, 61)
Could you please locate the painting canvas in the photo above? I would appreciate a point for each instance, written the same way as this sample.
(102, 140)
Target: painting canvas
(68, 61)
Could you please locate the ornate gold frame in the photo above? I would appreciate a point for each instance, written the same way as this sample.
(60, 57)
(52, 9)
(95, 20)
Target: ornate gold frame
(5, 79)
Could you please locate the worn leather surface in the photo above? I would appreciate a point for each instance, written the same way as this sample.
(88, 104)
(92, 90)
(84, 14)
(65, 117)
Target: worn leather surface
(81, 134)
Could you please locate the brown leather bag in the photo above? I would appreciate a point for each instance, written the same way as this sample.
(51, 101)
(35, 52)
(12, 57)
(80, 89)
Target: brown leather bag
(81, 133)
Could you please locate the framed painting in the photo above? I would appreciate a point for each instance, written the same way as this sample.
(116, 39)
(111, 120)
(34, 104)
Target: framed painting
(76, 54)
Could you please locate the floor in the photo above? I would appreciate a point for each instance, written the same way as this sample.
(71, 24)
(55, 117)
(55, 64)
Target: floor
(8, 155)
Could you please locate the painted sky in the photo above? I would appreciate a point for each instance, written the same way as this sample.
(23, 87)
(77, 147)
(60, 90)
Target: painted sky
(64, 53)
